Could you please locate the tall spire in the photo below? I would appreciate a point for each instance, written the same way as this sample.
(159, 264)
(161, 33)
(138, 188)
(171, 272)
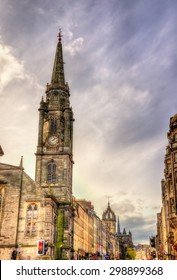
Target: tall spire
(108, 204)
(58, 77)
(118, 226)
(1, 151)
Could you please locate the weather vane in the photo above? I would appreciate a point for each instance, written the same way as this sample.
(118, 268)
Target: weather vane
(59, 35)
(108, 199)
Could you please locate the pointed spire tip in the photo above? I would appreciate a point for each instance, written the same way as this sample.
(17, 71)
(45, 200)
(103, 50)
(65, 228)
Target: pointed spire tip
(59, 35)
(21, 162)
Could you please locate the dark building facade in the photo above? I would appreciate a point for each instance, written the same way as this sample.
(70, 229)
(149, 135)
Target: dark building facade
(166, 240)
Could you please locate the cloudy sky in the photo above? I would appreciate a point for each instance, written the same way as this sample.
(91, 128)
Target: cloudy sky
(121, 66)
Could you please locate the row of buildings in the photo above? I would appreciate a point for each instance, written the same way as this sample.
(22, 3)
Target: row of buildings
(96, 238)
(166, 239)
(44, 208)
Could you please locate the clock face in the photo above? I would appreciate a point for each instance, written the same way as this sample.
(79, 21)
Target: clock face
(53, 140)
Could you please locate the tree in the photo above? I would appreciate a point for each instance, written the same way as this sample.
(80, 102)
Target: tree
(130, 253)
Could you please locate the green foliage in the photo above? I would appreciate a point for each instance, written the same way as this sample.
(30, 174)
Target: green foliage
(59, 235)
(131, 254)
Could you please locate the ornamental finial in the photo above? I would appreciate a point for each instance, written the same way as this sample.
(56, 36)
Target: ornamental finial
(59, 35)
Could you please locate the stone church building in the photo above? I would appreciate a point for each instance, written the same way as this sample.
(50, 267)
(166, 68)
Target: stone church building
(117, 241)
(42, 209)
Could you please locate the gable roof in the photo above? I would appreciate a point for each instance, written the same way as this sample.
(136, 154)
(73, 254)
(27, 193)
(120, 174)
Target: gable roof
(4, 166)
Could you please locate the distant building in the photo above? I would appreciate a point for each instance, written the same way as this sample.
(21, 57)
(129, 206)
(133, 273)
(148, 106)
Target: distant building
(109, 220)
(117, 242)
(143, 252)
(125, 240)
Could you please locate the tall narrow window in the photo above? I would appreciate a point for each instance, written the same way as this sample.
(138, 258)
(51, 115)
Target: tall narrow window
(53, 126)
(51, 177)
(55, 228)
(172, 205)
(1, 203)
(175, 157)
(31, 219)
(0, 200)
(66, 220)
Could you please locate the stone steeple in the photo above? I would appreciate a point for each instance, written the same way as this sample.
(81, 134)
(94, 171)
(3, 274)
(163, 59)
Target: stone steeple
(118, 226)
(58, 76)
(56, 117)
(54, 158)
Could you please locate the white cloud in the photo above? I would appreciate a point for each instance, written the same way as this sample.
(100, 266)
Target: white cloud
(11, 68)
(75, 46)
(69, 34)
(40, 10)
(134, 97)
(19, 91)
(22, 108)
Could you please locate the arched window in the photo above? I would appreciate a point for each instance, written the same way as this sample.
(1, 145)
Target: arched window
(31, 219)
(51, 172)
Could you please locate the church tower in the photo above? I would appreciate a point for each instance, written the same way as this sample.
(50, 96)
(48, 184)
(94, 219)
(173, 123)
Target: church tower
(54, 158)
(109, 219)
